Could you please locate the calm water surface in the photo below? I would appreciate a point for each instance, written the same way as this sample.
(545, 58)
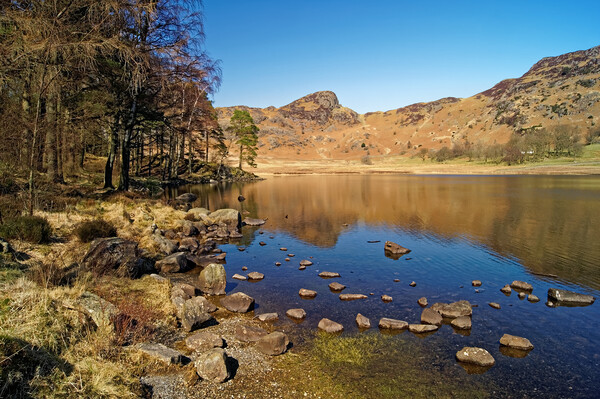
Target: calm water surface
(459, 228)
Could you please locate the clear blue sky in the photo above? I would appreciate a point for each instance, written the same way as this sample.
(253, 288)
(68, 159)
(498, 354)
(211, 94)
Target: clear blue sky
(381, 55)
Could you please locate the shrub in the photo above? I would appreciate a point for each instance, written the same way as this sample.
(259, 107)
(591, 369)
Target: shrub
(90, 230)
(34, 229)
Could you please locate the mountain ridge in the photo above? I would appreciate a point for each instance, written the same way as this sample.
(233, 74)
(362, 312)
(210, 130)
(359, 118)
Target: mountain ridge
(560, 90)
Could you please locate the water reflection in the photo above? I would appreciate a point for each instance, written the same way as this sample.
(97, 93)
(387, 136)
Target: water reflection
(548, 224)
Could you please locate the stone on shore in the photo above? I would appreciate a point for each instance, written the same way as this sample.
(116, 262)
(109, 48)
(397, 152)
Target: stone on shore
(249, 333)
(330, 326)
(352, 297)
(162, 353)
(462, 323)
(335, 286)
(296, 314)
(422, 328)
(392, 324)
(164, 245)
(521, 285)
(476, 356)
(307, 294)
(212, 365)
(203, 341)
(212, 279)
(189, 244)
(273, 344)
(229, 217)
(195, 313)
(268, 317)
(431, 316)
(422, 301)
(363, 322)
(238, 302)
(564, 297)
(98, 309)
(515, 342)
(115, 255)
(173, 263)
(329, 274)
(188, 229)
(197, 214)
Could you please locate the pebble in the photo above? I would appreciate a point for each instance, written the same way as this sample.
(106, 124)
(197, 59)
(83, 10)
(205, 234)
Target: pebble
(494, 305)
(413, 284)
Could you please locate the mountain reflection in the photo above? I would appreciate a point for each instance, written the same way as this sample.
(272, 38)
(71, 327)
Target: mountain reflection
(550, 224)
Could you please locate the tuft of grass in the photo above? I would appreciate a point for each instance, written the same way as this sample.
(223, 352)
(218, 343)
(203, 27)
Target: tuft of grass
(34, 229)
(90, 230)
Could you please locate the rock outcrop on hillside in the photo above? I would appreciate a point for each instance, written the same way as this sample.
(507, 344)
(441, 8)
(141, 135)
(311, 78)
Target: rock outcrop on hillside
(562, 90)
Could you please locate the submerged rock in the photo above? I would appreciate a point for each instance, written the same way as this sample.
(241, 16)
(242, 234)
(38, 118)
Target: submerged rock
(515, 342)
(330, 326)
(564, 297)
(268, 317)
(477, 356)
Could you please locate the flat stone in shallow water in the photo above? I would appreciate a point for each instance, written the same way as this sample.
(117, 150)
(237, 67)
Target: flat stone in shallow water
(307, 294)
(569, 297)
(476, 356)
(515, 342)
(362, 321)
(392, 324)
(532, 298)
(462, 323)
(386, 298)
(352, 297)
(494, 305)
(422, 328)
(422, 301)
(506, 289)
(330, 326)
(238, 302)
(335, 286)
(296, 314)
(254, 222)
(239, 277)
(454, 309)
(305, 262)
(329, 274)
(255, 276)
(521, 285)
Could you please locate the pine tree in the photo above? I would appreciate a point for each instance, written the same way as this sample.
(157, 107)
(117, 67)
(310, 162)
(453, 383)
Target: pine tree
(242, 125)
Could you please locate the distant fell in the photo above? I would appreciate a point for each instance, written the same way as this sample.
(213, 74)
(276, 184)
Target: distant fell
(562, 90)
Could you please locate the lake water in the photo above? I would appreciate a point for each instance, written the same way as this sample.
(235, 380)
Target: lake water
(459, 228)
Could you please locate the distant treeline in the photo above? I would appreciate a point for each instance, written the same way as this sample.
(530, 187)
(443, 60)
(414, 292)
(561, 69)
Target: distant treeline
(533, 144)
(122, 79)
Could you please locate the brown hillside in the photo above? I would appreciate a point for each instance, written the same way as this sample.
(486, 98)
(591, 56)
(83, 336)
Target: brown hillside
(563, 90)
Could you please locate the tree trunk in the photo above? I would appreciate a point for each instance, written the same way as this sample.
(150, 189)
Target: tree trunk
(206, 149)
(112, 153)
(241, 153)
(126, 147)
(190, 154)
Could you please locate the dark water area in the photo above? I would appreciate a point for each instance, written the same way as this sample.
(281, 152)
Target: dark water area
(459, 228)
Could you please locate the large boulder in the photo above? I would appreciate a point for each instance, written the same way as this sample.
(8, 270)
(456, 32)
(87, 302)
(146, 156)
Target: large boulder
(195, 313)
(189, 244)
(273, 344)
(188, 229)
(197, 214)
(229, 217)
(238, 302)
(564, 297)
(212, 365)
(476, 356)
(187, 197)
(116, 255)
(454, 309)
(212, 279)
(173, 263)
